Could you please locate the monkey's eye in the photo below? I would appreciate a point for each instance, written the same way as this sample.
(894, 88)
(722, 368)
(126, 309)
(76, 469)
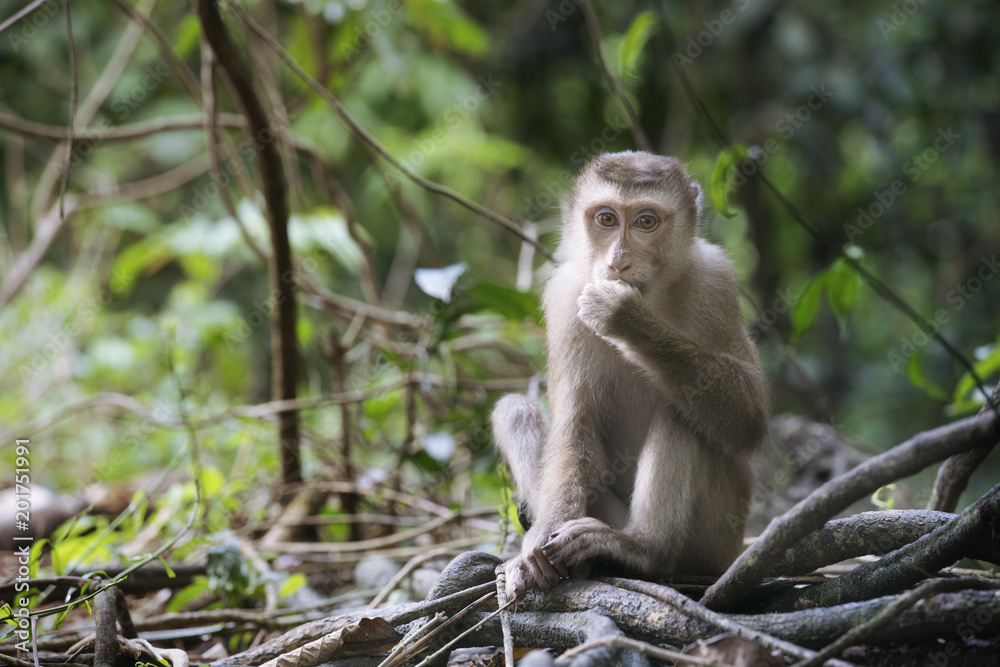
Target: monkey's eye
(606, 219)
(646, 222)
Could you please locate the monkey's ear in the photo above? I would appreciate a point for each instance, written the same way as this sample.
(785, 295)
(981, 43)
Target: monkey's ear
(699, 198)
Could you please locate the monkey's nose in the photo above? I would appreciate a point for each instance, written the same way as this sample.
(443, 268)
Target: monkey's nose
(620, 267)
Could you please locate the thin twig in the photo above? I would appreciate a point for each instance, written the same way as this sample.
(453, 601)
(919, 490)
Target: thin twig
(153, 186)
(825, 239)
(426, 639)
(376, 145)
(410, 566)
(857, 634)
(210, 123)
(429, 660)
(21, 14)
(166, 48)
(403, 648)
(698, 611)
(178, 123)
(284, 350)
(595, 35)
(48, 228)
(363, 545)
(503, 599)
(87, 109)
(645, 648)
(820, 399)
(953, 475)
(70, 45)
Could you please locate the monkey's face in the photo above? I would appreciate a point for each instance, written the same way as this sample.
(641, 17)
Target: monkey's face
(633, 216)
(642, 239)
(627, 239)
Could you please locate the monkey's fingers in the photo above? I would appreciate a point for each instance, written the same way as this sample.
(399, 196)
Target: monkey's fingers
(545, 575)
(516, 582)
(547, 550)
(556, 554)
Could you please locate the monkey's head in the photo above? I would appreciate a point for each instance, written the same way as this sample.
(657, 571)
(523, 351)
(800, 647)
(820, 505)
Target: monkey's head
(634, 216)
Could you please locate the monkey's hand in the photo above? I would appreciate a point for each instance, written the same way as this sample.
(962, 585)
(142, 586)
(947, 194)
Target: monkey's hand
(532, 568)
(576, 544)
(600, 301)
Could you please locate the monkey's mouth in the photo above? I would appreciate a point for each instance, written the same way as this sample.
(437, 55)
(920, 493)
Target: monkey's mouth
(633, 282)
(638, 284)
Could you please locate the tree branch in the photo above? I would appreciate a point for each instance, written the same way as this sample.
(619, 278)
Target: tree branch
(641, 140)
(867, 533)
(284, 350)
(960, 537)
(810, 514)
(953, 475)
(374, 143)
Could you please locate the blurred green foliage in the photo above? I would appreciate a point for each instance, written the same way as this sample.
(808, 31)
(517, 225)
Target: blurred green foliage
(879, 122)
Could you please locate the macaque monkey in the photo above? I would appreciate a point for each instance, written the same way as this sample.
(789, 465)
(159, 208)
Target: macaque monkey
(657, 398)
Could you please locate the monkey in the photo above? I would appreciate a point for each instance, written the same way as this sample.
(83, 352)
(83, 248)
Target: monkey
(657, 398)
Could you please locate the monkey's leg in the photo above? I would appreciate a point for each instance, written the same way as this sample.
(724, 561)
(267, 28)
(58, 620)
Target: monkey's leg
(520, 432)
(660, 514)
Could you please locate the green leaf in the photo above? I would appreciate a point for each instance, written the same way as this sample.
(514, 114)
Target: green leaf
(883, 497)
(142, 258)
(445, 24)
(166, 568)
(635, 41)
(985, 367)
(915, 374)
(842, 284)
(507, 301)
(292, 584)
(198, 587)
(719, 187)
(804, 313)
(378, 408)
(7, 614)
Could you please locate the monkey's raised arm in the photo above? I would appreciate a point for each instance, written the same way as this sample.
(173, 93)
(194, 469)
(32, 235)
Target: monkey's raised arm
(721, 395)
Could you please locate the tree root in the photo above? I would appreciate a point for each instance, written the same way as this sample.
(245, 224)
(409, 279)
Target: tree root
(966, 534)
(809, 515)
(953, 475)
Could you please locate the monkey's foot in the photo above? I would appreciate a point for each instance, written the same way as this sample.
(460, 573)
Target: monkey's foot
(599, 302)
(529, 570)
(576, 544)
